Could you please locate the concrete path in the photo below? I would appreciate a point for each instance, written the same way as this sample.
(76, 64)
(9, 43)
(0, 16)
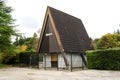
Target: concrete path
(34, 74)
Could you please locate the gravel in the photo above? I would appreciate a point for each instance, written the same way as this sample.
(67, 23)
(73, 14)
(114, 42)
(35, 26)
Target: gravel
(40, 74)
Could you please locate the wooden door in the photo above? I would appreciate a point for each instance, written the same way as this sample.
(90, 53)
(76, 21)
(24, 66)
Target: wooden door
(54, 60)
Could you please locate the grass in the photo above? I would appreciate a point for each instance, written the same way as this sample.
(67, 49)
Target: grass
(3, 66)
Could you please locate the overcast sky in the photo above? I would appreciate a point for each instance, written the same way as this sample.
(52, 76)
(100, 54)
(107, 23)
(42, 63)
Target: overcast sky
(98, 16)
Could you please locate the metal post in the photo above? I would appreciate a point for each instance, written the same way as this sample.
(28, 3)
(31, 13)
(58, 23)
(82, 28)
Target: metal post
(57, 62)
(38, 60)
(45, 62)
(82, 62)
(33, 60)
(30, 61)
(71, 62)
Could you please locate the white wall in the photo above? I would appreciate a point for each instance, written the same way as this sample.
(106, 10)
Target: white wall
(48, 61)
(76, 60)
(61, 63)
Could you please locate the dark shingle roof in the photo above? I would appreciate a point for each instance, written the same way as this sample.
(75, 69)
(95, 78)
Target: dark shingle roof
(73, 35)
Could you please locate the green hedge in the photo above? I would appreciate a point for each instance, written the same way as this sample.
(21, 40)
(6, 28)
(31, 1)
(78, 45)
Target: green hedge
(108, 59)
(24, 57)
(4, 66)
(29, 58)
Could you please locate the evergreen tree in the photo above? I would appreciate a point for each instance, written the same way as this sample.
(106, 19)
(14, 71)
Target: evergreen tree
(6, 27)
(117, 32)
(32, 43)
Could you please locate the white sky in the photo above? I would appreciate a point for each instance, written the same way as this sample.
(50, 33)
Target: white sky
(99, 16)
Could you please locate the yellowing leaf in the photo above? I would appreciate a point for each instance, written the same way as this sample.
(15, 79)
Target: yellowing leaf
(23, 47)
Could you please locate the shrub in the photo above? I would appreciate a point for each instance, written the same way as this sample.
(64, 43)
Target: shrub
(24, 57)
(7, 59)
(4, 66)
(1, 58)
(29, 58)
(108, 59)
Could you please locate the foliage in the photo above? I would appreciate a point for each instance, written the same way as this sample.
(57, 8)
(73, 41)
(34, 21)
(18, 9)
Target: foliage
(3, 66)
(9, 52)
(24, 58)
(109, 41)
(1, 58)
(29, 58)
(117, 32)
(6, 27)
(23, 48)
(30, 42)
(41, 58)
(9, 57)
(6, 32)
(108, 59)
(94, 43)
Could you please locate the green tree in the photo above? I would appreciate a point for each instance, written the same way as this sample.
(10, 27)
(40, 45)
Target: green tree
(118, 39)
(32, 43)
(6, 27)
(6, 32)
(107, 41)
(117, 32)
(94, 43)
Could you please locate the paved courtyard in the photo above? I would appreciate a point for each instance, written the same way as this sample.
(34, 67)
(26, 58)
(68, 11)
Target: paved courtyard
(35, 74)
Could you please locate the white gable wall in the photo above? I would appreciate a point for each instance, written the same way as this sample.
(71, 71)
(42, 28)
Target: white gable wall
(48, 60)
(76, 60)
(61, 63)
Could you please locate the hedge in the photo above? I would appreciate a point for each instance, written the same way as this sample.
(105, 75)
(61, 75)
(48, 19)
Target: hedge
(24, 57)
(29, 58)
(108, 59)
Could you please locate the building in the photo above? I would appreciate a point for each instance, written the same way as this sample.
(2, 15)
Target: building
(63, 40)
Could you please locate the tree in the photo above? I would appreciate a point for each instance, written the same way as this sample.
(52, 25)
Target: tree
(117, 32)
(6, 32)
(6, 27)
(94, 43)
(35, 41)
(32, 43)
(107, 41)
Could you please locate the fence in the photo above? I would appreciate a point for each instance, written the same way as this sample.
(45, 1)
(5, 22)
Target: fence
(29, 60)
(34, 61)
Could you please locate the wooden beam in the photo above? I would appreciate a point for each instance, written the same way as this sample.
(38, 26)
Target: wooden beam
(66, 60)
(58, 39)
(42, 30)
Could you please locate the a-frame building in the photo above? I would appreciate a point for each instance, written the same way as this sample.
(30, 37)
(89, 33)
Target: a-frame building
(63, 40)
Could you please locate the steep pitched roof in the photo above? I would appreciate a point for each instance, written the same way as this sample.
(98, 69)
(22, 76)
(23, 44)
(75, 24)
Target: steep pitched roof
(70, 31)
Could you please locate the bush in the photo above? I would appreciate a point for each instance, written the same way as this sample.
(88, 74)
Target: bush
(1, 58)
(29, 58)
(4, 66)
(7, 58)
(24, 57)
(108, 59)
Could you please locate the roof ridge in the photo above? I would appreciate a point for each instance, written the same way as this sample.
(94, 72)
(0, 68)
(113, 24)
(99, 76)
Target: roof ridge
(49, 7)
